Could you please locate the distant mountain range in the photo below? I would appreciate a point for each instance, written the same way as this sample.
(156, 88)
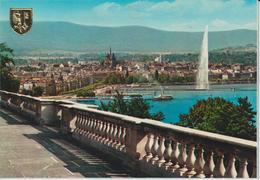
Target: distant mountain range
(63, 36)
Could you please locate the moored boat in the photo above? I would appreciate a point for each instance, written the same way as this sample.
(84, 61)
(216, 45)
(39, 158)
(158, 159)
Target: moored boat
(162, 98)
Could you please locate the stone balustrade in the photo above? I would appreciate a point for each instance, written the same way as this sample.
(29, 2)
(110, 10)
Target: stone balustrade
(42, 111)
(152, 147)
(180, 151)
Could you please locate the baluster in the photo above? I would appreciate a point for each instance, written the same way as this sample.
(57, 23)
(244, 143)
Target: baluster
(111, 134)
(22, 105)
(9, 101)
(104, 132)
(219, 170)
(174, 157)
(160, 152)
(90, 127)
(80, 124)
(84, 128)
(118, 140)
(243, 169)
(209, 164)
(182, 160)
(199, 163)
(77, 126)
(123, 140)
(191, 161)
(100, 131)
(115, 135)
(148, 147)
(85, 125)
(155, 149)
(167, 154)
(107, 133)
(97, 130)
(231, 170)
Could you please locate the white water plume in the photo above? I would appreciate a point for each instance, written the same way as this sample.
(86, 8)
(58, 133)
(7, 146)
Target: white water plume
(202, 81)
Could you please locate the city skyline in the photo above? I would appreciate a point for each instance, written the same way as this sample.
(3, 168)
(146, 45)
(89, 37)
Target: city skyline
(172, 15)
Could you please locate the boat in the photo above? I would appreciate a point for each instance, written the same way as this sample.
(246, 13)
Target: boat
(135, 95)
(86, 98)
(106, 98)
(162, 98)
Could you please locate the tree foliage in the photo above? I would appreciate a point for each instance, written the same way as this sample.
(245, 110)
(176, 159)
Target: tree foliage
(86, 93)
(35, 91)
(136, 107)
(172, 79)
(7, 82)
(116, 78)
(221, 116)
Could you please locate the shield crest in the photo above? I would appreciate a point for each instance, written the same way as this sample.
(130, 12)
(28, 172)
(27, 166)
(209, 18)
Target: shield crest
(21, 19)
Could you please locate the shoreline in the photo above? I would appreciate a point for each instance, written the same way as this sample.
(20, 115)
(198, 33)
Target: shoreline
(151, 89)
(212, 87)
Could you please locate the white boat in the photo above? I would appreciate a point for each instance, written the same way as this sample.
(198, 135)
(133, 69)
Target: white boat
(162, 97)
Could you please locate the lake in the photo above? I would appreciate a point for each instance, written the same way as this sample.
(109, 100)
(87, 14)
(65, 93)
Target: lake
(185, 99)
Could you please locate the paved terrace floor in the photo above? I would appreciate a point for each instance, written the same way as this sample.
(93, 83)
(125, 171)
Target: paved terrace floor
(28, 150)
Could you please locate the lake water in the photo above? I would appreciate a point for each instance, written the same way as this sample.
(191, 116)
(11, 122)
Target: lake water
(185, 99)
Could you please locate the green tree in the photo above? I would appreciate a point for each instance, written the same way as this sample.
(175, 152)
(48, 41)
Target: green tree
(38, 91)
(221, 116)
(35, 91)
(129, 80)
(164, 78)
(136, 107)
(156, 75)
(27, 92)
(7, 82)
(114, 79)
(85, 93)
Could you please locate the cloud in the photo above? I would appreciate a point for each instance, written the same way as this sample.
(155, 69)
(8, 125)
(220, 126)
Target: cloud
(173, 15)
(178, 15)
(107, 8)
(219, 24)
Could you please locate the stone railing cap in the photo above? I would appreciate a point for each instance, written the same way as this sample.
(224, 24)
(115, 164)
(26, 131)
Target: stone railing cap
(202, 134)
(148, 122)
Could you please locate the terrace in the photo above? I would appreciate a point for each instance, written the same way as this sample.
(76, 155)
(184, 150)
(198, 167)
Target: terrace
(54, 138)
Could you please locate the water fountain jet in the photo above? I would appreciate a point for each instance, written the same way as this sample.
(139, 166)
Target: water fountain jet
(202, 81)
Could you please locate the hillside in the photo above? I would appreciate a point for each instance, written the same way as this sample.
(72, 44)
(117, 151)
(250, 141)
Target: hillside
(63, 36)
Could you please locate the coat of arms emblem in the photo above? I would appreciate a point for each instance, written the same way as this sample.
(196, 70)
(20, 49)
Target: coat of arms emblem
(21, 19)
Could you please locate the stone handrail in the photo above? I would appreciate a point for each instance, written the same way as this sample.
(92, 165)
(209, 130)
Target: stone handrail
(42, 111)
(153, 147)
(162, 148)
(194, 153)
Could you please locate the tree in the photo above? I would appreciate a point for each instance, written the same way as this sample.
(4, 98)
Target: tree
(156, 75)
(221, 116)
(6, 55)
(7, 82)
(35, 91)
(163, 78)
(38, 91)
(85, 93)
(136, 107)
(129, 80)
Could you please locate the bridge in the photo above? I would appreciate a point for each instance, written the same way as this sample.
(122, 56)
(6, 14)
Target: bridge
(58, 138)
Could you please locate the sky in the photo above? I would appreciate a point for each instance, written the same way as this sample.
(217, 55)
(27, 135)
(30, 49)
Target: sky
(171, 15)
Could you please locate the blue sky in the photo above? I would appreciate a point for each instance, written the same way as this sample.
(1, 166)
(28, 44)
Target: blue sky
(173, 15)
